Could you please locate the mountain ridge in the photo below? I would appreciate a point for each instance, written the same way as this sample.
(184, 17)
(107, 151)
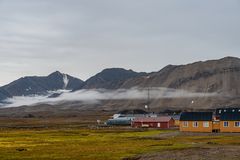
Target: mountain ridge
(31, 85)
(212, 76)
(111, 78)
(173, 76)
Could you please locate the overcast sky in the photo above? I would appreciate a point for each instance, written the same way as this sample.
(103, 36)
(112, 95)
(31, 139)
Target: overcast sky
(82, 37)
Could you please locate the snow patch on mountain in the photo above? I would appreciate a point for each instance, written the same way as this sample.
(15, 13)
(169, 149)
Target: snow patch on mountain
(65, 81)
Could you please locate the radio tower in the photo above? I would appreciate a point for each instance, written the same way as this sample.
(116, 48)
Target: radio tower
(147, 106)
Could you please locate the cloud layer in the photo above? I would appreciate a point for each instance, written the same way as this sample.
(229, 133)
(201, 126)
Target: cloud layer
(95, 96)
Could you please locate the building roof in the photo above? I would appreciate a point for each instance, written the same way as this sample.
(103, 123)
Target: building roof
(196, 116)
(119, 121)
(176, 117)
(153, 119)
(220, 111)
(230, 116)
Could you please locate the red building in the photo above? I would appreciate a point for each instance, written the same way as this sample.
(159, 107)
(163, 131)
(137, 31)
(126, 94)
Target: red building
(153, 122)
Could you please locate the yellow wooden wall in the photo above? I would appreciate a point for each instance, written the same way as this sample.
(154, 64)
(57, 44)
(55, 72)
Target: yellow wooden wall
(230, 128)
(200, 127)
(176, 123)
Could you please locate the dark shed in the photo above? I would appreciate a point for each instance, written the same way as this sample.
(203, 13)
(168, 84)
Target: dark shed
(133, 111)
(119, 122)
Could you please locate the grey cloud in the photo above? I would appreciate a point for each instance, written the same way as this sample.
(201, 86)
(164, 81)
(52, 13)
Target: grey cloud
(95, 96)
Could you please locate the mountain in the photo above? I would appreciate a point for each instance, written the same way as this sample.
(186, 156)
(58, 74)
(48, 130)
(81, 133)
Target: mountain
(220, 76)
(212, 76)
(112, 78)
(39, 85)
(4, 94)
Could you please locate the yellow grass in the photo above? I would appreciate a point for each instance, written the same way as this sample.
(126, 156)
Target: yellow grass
(67, 140)
(84, 144)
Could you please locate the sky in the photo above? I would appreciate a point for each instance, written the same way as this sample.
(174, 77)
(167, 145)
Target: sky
(83, 37)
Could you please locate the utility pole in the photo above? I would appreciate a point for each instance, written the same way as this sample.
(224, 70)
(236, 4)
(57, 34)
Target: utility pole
(148, 96)
(147, 106)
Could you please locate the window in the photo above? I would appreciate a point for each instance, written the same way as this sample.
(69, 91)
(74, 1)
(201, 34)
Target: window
(195, 124)
(225, 124)
(237, 124)
(205, 124)
(185, 124)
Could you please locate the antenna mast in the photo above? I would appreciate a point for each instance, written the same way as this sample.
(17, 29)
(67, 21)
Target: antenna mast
(148, 100)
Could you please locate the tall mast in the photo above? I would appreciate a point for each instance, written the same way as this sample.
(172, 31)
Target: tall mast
(148, 99)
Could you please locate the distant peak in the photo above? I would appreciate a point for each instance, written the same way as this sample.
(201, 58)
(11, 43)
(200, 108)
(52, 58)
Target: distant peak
(56, 73)
(114, 69)
(117, 70)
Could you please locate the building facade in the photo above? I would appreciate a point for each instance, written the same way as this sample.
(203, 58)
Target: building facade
(163, 122)
(196, 122)
(224, 120)
(230, 122)
(176, 119)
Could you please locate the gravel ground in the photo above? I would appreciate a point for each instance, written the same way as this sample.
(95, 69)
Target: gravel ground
(211, 153)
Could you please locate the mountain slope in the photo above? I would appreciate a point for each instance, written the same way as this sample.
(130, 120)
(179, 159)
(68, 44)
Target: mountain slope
(39, 85)
(111, 78)
(4, 94)
(210, 76)
(214, 76)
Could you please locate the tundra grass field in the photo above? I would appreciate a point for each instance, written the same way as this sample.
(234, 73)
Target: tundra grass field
(69, 140)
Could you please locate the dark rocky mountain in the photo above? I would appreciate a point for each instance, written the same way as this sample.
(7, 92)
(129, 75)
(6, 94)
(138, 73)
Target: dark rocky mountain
(112, 78)
(39, 85)
(4, 94)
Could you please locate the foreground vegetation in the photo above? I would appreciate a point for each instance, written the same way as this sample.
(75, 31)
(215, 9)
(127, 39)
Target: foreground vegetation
(77, 144)
(100, 144)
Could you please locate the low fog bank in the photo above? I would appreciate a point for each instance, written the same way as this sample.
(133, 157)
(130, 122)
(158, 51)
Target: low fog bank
(96, 95)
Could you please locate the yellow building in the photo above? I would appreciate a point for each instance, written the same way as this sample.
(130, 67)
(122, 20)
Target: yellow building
(176, 123)
(196, 122)
(176, 120)
(230, 121)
